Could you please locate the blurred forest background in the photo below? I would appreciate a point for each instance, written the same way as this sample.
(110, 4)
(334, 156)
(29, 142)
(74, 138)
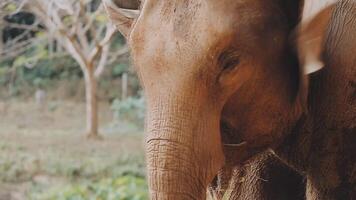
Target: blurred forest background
(71, 108)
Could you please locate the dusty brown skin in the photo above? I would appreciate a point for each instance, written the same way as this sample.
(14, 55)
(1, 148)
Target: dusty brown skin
(323, 143)
(263, 177)
(189, 78)
(223, 83)
(127, 4)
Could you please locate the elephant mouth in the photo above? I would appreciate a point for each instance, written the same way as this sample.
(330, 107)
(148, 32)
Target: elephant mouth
(235, 148)
(230, 135)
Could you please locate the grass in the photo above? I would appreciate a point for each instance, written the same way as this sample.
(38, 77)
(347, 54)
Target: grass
(126, 187)
(45, 156)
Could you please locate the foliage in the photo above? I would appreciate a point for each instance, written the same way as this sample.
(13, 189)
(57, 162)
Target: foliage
(10, 7)
(30, 57)
(45, 59)
(17, 75)
(131, 109)
(24, 166)
(44, 64)
(119, 69)
(50, 71)
(122, 188)
(57, 174)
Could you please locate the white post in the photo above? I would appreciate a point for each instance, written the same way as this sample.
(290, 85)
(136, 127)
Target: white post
(124, 85)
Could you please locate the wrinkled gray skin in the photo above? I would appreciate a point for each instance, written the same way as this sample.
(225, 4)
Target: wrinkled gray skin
(321, 145)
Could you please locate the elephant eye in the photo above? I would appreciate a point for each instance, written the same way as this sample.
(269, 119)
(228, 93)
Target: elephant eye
(229, 59)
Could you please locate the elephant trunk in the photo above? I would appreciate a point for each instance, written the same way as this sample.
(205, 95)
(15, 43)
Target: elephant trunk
(183, 148)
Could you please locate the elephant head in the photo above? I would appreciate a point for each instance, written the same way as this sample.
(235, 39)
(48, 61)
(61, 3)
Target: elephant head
(221, 80)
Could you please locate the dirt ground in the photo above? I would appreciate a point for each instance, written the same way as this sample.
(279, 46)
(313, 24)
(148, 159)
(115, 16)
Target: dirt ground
(48, 140)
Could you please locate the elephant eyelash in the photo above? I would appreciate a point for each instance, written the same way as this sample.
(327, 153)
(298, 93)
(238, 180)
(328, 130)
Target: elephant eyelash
(229, 59)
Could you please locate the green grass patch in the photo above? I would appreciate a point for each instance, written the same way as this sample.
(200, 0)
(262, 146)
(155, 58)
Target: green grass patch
(127, 187)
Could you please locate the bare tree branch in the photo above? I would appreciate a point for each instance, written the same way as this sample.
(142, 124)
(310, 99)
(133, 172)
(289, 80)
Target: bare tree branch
(77, 27)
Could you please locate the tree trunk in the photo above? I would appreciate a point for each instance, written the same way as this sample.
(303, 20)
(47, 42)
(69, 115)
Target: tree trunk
(91, 104)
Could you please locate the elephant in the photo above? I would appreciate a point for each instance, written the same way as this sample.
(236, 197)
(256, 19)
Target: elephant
(230, 82)
(264, 176)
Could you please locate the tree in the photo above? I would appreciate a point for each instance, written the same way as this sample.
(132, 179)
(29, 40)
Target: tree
(80, 28)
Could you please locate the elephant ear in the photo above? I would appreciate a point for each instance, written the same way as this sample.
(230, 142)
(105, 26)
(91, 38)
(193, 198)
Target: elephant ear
(122, 13)
(311, 37)
(311, 33)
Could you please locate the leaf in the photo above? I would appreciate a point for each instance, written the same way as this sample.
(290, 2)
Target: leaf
(11, 7)
(101, 18)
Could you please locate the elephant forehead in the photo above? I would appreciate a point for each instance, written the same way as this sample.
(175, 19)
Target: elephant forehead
(185, 17)
(181, 30)
(202, 22)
